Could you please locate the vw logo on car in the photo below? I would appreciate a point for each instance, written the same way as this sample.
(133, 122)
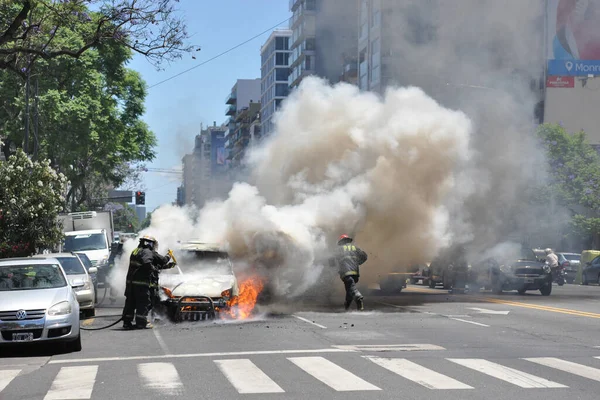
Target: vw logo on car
(21, 314)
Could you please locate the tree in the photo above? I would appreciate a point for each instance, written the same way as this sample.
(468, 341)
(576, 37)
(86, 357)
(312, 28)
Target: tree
(125, 218)
(574, 168)
(90, 123)
(31, 196)
(36, 29)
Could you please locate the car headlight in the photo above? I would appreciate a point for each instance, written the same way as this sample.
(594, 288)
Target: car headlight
(505, 269)
(226, 293)
(62, 308)
(78, 286)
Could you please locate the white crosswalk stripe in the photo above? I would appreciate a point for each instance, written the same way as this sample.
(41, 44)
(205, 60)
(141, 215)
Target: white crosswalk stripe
(568, 366)
(247, 377)
(73, 383)
(7, 376)
(418, 374)
(332, 374)
(506, 374)
(161, 377)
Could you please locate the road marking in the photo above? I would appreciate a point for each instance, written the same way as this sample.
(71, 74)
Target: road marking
(506, 374)
(417, 373)
(160, 341)
(486, 311)
(332, 374)
(390, 347)
(196, 355)
(544, 308)
(309, 321)
(246, 377)
(6, 377)
(568, 366)
(470, 322)
(161, 377)
(73, 383)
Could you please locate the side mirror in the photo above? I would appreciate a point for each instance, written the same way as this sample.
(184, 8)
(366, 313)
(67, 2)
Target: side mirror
(93, 270)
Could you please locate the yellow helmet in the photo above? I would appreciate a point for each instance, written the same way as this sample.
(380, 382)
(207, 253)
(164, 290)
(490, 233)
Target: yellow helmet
(150, 239)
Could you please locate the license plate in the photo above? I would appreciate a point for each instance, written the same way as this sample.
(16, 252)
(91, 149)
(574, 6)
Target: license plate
(22, 337)
(529, 280)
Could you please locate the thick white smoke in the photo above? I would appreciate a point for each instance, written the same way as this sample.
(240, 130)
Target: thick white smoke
(342, 161)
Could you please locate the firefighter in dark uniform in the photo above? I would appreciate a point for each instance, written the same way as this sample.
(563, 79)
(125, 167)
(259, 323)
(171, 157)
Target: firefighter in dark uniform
(348, 260)
(143, 263)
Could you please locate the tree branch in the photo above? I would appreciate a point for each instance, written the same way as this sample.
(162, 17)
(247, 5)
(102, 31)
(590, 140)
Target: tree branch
(9, 34)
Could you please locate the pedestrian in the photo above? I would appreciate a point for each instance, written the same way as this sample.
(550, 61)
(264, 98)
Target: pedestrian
(348, 260)
(142, 264)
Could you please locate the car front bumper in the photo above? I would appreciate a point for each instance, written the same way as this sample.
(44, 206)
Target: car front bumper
(527, 282)
(46, 329)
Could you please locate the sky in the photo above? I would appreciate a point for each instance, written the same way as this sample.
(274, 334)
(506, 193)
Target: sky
(176, 109)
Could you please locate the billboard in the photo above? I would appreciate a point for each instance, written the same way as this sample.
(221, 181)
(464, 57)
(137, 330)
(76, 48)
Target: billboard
(560, 82)
(217, 151)
(573, 37)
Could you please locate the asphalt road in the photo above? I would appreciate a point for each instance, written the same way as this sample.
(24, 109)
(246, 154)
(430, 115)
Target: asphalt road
(419, 344)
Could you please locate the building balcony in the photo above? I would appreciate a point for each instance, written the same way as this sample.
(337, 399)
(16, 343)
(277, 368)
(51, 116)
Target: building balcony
(294, 4)
(231, 110)
(231, 98)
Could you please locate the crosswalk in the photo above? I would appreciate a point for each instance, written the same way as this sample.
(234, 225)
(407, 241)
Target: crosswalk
(245, 376)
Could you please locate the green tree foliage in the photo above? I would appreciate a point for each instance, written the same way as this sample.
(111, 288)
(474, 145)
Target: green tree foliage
(36, 29)
(90, 124)
(125, 218)
(31, 196)
(574, 167)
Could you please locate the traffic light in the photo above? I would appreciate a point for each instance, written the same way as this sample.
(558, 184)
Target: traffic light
(140, 198)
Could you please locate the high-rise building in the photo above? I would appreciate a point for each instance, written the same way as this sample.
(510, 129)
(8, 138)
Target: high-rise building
(205, 169)
(240, 139)
(324, 40)
(274, 76)
(244, 92)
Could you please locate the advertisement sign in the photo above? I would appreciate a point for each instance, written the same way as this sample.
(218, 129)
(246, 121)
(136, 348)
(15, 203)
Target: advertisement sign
(573, 37)
(573, 29)
(560, 82)
(217, 151)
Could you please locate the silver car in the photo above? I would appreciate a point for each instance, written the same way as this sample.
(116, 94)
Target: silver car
(79, 279)
(37, 304)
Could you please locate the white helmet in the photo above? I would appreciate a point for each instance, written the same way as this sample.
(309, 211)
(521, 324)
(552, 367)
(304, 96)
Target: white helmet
(548, 250)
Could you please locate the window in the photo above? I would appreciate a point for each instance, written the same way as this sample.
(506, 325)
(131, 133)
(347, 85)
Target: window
(281, 74)
(311, 5)
(308, 63)
(278, 103)
(71, 265)
(281, 89)
(84, 242)
(281, 59)
(375, 74)
(310, 44)
(376, 13)
(375, 46)
(280, 43)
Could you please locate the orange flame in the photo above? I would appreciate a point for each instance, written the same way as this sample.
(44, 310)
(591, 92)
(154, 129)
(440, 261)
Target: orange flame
(241, 306)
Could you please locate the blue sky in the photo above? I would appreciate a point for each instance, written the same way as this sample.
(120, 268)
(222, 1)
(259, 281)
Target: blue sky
(175, 109)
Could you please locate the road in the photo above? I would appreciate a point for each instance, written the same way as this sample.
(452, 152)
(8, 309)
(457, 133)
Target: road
(419, 344)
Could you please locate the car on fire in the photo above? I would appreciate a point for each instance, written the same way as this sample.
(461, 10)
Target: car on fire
(201, 286)
(524, 274)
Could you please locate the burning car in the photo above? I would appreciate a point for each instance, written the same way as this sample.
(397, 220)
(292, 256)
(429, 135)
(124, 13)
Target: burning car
(201, 286)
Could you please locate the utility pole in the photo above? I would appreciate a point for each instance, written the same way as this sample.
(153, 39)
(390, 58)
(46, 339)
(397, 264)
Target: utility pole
(36, 121)
(26, 141)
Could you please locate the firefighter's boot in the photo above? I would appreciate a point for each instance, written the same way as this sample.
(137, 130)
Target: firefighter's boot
(359, 304)
(347, 305)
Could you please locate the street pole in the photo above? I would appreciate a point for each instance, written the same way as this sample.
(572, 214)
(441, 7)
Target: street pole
(26, 141)
(36, 120)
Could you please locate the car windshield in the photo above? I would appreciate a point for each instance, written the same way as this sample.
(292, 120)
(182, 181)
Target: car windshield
(71, 265)
(85, 260)
(85, 242)
(27, 277)
(206, 262)
(572, 257)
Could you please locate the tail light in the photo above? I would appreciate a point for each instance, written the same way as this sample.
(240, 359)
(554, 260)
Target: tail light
(566, 264)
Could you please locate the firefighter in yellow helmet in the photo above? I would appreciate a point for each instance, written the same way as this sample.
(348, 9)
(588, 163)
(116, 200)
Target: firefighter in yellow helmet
(143, 263)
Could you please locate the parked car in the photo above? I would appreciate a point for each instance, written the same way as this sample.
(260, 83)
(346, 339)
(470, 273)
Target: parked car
(37, 304)
(87, 263)
(591, 272)
(570, 262)
(79, 279)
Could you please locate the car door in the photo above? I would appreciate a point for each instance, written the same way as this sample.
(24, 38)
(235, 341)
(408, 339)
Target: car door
(592, 271)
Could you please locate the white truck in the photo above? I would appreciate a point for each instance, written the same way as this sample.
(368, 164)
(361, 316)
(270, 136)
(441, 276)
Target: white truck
(90, 233)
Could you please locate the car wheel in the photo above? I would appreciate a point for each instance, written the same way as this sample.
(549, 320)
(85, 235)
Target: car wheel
(521, 291)
(446, 282)
(89, 313)
(598, 279)
(546, 290)
(432, 284)
(584, 280)
(496, 287)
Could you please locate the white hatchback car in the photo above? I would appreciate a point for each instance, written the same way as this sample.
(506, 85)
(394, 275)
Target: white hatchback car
(37, 303)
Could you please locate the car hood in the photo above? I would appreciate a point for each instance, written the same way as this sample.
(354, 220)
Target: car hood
(210, 286)
(32, 299)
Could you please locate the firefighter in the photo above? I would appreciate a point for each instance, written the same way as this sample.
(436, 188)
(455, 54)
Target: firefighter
(348, 260)
(142, 264)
